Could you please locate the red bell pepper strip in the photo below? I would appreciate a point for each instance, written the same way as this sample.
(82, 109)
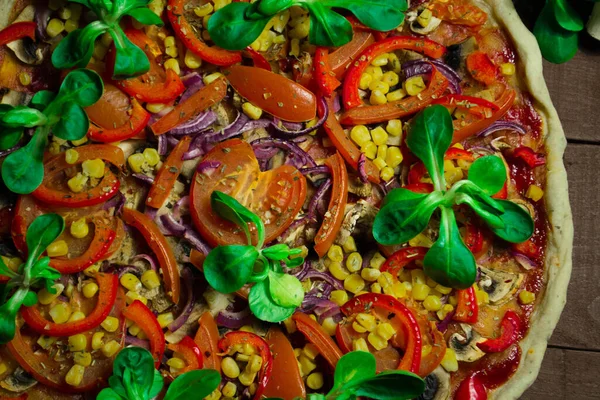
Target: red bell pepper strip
(204, 98)
(470, 103)
(365, 115)
(471, 389)
(258, 59)
(454, 153)
(234, 338)
(17, 31)
(341, 58)
(160, 247)
(467, 308)
(345, 146)
(503, 193)
(401, 258)
(411, 361)
(473, 238)
(511, 329)
(146, 320)
(108, 285)
(337, 205)
(186, 33)
(351, 97)
(167, 176)
(419, 187)
(481, 68)
(190, 352)
(315, 334)
(207, 340)
(531, 158)
(325, 77)
(138, 121)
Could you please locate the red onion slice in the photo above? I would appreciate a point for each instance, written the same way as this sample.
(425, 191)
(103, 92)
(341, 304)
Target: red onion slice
(148, 258)
(319, 196)
(232, 319)
(501, 126)
(144, 178)
(423, 66)
(188, 281)
(172, 226)
(289, 134)
(291, 147)
(525, 261)
(196, 125)
(162, 145)
(133, 341)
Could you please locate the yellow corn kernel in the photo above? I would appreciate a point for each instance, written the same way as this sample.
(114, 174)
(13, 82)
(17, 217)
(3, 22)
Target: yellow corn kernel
(82, 358)
(169, 41)
(252, 111)
(426, 350)
(380, 85)
(507, 69)
(60, 312)
(335, 253)
(394, 127)
(449, 362)
(370, 274)
(79, 228)
(205, 20)
(203, 10)
(310, 351)
(155, 107)
(295, 48)
(385, 330)
(150, 279)
(339, 297)
(92, 270)
(385, 280)
(100, 51)
(176, 363)
(79, 142)
(386, 173)
(315, 381)
(215, 395)
(446, 308)
(97, 340)
(380, 60)
(165, 319)
(71, 25)
(377, 260)
(46, 342)
(377, 97)
(375, 288)
(382, 151)
(534, 192)
(425, 17)
(358, 327)
(349, 245)
(526, 297)
(482, 296)
(379, 163)
(420, 291)
(134, 330)
(375, 71)
(329, 326)
(354, 262)
(390, 78)
(76, 316)
(254, 364)
(131, 282)
(414, 85)
(151, 156)
(246, 378)
(229, 390)
(306, 364)
(24, 78)
(360, 135)
(13, 263)
(443, 289)
(290, 325)
(377, 341)
(452, 300)
(418, 276)
(191, 60)
(420, 240)
(354, 283)
(54, 148)
(131, 296)
(360, 344)
(431, 283)
(173, 64)
(398, 290)
(45, 297)
(55, 27)
(432, 303)
(451, 173)
(367, 320)
(75, 375)
(396, 95)
(230, 368)
(212, 77)
(77, 342)
(393, 157)
(77, 183)
(370, 150)
(365, 81)
(242, 357)
(247, 348)
(110, 324)
(64, 13)
(111, 348)
(338, 271)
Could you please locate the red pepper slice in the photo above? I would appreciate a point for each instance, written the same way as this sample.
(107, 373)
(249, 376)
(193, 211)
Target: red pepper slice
(337, 205)
(511, 329)
(207, 339)
(323, 74)
(401, 258)
(341, 58)
(419, 187)
(471, 389)
(531, 158)
(232, 338)
(146, 320)
(160, 247)
(350, 95)
(411, 361)
(481, 67)
(108, 285)
(138, 121)
(16, 31)
(473, 238)
(365, 115)
(186, 33)
(204, 98)
(466, 102)
(107, 188)
(190, 352)
(258, 59)
(315, 334)
(345, 146)
(167, 176)
(467, 308)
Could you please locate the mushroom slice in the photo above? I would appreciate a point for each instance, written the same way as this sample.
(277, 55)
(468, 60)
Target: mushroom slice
(358, 220)
(465, 346)
(26, 49)
(499, 285)
(437, 385)
(18, 381)
(424, 30)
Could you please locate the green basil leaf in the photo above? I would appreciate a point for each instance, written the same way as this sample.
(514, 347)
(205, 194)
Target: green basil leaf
(285, 290)
(30, 299)
(489, 173)
(108, 393)
(232, 210)
(263, 307)
(25, 117)
(195, 384)
(352, 367)
(273, 7)
(518, 224)
(44, 230)
(391, 385)
(10, 137)
(488, 214)
(82, 86)
(558, 45)
(134, 366)
(230, 28)
(471, 189)
(8, 313)
(76, 49)
(23, 170)
(293, 262)
(327, 28)
(380, 15)
(449, 262)
(566, 16)
(145, 16)
(429, 137)
(228, 268)
(404, 216)
(130, 60)
(277, 252)
(157, 384)
(73, 123)
(42, 99)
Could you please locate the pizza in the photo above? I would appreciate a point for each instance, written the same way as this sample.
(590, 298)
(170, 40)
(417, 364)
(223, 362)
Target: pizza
(277, 199)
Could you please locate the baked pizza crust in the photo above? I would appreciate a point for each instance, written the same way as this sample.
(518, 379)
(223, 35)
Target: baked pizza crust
(560, 238)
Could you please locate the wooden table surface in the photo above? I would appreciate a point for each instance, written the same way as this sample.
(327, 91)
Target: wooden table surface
(571, 365)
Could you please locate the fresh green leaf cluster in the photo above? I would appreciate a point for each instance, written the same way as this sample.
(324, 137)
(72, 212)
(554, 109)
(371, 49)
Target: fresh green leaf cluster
(34, 273)
(274, 295)
(405, 214)
(61, 113)
(237, 25)
(76, 49)
(134, 378)
(556, 31)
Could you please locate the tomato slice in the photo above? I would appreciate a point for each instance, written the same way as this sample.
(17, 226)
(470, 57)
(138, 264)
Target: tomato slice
(460, 12)
(207, 339)
(111, 110)
(276, 196)
(167, 176)
(274, 93)
(481, 67)
(137, 122)
(343, 56)
(286, 381)
(315, 334)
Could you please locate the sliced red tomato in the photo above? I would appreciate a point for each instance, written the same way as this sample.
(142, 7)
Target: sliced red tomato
(460, 12)
(112, 110)
(54, 190)
(139, 313)
(481, 68)
(189, 352)
(286, 381)
(342, 57)
(276, 195)
(137, 122)
(315, 334)
(337, 205)
(168, 174)
(160, 247)
(207, 339)
(273, 93)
